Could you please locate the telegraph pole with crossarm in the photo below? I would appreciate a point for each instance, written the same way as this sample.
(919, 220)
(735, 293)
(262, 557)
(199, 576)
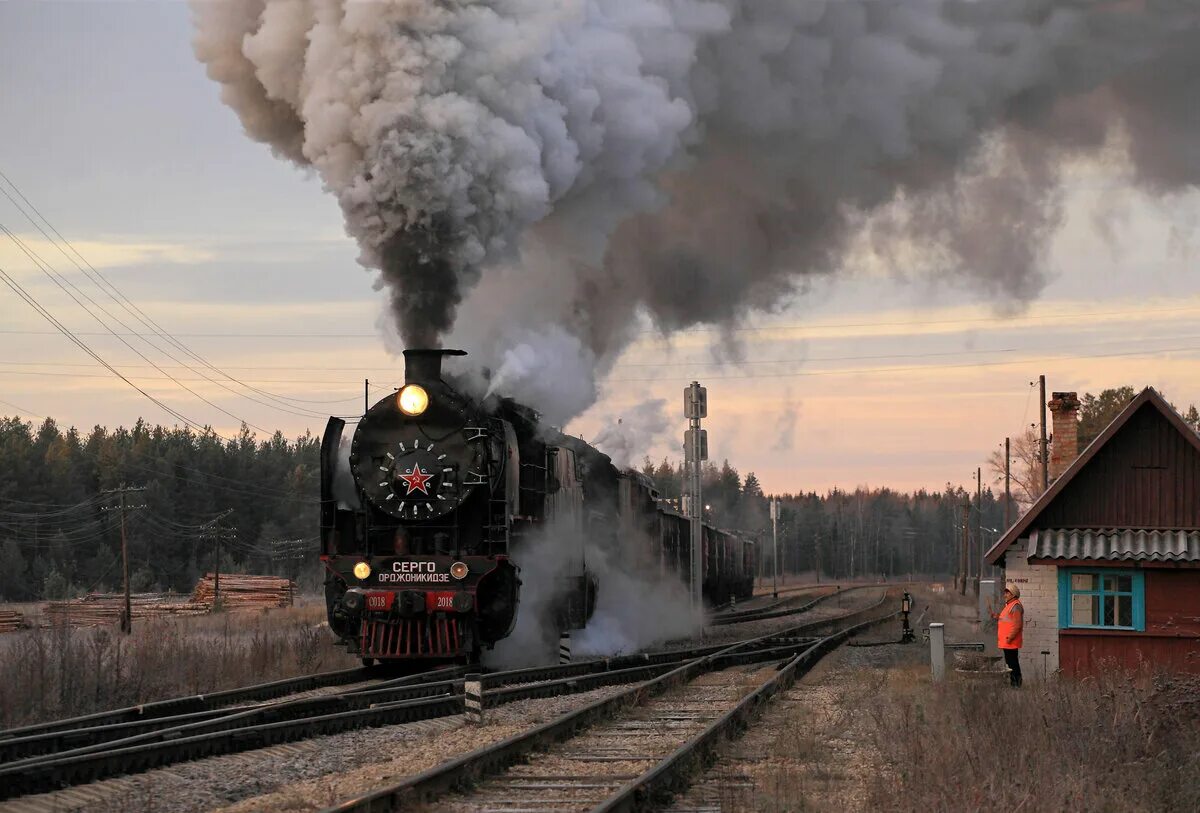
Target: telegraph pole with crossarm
(127, 613)
(215, 530)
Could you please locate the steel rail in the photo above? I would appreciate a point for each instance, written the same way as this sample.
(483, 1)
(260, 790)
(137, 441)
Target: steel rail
(672, 774)
(470, 768)
(261, 726)
(58, 741)
(101, 737)
(196, 703)
(742, 617)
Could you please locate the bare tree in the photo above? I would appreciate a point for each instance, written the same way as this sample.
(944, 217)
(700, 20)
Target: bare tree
(1026, 470)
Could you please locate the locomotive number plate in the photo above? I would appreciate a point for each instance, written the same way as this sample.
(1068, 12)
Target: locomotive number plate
(439, 601)
(380, 601)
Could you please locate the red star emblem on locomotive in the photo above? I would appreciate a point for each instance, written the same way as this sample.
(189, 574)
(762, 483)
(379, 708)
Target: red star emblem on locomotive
(416, 479)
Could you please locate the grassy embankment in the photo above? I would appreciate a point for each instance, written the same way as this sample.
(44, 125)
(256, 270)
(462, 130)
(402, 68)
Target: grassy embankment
(1118, 742)
(51, 673)
(876, 734)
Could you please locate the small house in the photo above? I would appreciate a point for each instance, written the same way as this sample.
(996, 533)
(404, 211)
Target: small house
(1108, 558)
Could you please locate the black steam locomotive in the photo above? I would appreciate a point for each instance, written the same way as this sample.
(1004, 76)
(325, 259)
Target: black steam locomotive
(423, 509)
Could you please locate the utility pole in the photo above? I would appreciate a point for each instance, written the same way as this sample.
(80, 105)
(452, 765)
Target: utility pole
(1044, 454)
(817, 551)
(979, 526)
(775, 548)
(127, 613)
(962, 556)
(217, 532)
(1007, 482)
(366, 395)
(695, 445)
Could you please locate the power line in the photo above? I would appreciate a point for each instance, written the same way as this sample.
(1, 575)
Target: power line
(58, 279)
(918, 368)
(1001, 320)
(923, 322)
(11, 405)
(33, 303)
(124, 302)
(239, 488)
(691, 364)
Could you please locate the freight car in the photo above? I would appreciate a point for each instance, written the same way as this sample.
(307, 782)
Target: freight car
(423, 507)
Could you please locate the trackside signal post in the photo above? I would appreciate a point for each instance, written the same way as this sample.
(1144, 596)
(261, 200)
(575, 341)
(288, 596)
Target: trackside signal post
(695, 450)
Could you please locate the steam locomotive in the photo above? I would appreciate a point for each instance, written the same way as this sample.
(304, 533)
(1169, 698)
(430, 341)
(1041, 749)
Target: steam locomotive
(427, 507)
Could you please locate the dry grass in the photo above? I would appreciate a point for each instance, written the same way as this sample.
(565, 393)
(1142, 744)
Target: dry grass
(1121, 742)
(59, 672)
(867, 730)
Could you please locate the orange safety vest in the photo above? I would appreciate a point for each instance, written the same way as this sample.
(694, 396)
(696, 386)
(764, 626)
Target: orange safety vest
(1007, 623)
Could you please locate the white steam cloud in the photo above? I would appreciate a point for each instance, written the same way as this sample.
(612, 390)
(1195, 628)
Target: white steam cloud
(635, 608)
(635, 611)
(520, 170)
(627, 440)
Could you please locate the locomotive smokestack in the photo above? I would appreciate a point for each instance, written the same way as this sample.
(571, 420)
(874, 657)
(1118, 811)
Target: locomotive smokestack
(424, 366)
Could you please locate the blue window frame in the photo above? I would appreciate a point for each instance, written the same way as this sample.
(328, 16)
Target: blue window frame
(1100, 598)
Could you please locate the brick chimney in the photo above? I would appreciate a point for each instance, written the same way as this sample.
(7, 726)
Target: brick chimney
(1064, 447)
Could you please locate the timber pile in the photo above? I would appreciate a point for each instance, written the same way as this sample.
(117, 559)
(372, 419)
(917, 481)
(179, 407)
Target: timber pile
(11, 620)
(97, 609)
(245, 592)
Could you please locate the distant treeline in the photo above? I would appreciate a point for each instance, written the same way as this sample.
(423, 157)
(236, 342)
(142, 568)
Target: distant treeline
(847, 534)
(60, 508)
(869, 532)
(60, 517)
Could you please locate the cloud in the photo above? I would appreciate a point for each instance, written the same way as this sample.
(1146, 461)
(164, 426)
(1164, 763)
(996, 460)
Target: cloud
(102, 253)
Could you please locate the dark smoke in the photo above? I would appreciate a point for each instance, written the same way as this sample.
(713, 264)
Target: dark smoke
(535, 177)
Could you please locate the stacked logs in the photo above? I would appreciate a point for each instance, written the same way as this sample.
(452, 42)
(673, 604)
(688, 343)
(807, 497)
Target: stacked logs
(11, 620)
(96, 609)
(245, 592)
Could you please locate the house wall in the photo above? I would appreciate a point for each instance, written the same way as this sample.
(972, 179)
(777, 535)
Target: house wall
(1146, 476)
(1039, 597)
(1171, 639)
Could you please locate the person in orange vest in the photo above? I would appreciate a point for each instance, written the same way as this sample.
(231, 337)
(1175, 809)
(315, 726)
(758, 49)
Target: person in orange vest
(1010, 623)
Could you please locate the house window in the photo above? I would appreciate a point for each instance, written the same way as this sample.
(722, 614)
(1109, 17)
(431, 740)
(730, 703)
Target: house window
(1101, 599)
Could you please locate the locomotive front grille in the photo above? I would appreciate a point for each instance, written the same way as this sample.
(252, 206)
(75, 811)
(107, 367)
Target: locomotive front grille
(428, 637)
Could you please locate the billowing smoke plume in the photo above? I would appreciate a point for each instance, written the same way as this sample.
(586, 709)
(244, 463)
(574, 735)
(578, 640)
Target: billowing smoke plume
(570, 166)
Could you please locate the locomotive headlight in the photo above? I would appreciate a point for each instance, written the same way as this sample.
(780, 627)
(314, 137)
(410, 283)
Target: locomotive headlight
(361, 571)
(459, 570)
(413, 399)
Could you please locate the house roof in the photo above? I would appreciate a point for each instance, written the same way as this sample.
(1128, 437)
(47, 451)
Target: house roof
(1115, 544)
(1029, 518)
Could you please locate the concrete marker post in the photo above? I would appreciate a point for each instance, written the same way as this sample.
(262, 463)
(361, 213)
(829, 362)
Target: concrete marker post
(473, 698)
(937, 651)
(564, 648)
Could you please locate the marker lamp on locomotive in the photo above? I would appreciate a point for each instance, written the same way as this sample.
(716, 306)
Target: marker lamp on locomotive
(413, 400)
(459, 570)
(361, 571)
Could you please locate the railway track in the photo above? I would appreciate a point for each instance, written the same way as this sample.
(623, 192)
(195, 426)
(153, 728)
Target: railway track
(196, 703)
(96, 752)
(625, 751)
(774, 610)
(130, 741)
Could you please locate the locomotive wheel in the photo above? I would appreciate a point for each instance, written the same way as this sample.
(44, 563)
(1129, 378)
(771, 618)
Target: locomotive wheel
(368, 661)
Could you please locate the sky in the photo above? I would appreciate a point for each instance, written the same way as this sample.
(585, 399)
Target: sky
(874, 378)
